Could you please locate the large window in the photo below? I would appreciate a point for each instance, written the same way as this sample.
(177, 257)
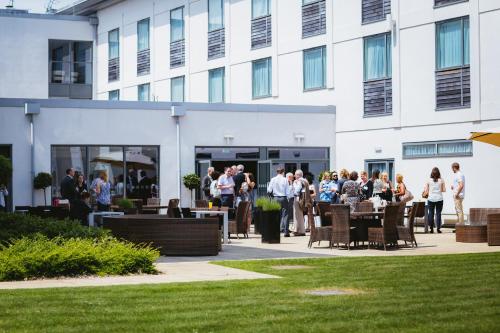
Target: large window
(177, 89)
(132, 170)
(114, 44)
(261, 78)
(377, 57)
(177, 24)
(216, 85)
(315, 68)
(143, 93)
(143, 35)
(261, 8)
(452, 43)
(114, 95)
(437, 149)
(215, 14)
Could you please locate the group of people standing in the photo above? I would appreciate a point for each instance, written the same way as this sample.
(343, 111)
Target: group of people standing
(229, 188)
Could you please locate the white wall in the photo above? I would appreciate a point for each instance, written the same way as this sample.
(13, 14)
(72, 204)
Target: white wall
(24, 50)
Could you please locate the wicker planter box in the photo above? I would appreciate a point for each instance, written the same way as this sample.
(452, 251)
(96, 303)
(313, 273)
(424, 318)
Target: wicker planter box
(270, 226)
(257, 220)
(172, 236)
(494, 229)
(471, 233)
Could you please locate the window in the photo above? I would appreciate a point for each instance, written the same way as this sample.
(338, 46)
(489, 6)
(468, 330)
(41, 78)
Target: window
(143, 92)
(375, 10)
(313, 18)
(380, 165)
(133, 171)
(113, 44)
(216, 85)
(114, 95)
(314, 68)
(441, 3)
(177, 89)
(452, 43)
(143, 35)
(437, 149)
(261, 8)
(377, 57)
(177, 24)
(215, 14)
(261, 78)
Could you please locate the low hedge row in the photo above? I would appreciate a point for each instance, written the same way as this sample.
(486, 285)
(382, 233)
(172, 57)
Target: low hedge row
(13, 226)
(41, 257)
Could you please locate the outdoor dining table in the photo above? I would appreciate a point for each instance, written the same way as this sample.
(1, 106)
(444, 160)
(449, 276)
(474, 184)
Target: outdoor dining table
(94, 214)
(364, 220)
(225, 225)
(154, 207)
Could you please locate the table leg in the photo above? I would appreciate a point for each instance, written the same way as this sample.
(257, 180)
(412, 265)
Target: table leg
(226, 227)
(91, 220)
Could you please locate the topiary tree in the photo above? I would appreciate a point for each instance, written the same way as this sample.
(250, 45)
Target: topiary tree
(5, 170)
(192, 182)
(41, 182)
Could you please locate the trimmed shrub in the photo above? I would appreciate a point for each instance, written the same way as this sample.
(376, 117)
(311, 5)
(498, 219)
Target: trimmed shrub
(13, 226)
(125, 203)
(41, 257)
(261, 201)
(271, 205)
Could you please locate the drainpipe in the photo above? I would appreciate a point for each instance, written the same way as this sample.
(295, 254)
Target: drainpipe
(94, 22)
(178, 111)
(31, 109)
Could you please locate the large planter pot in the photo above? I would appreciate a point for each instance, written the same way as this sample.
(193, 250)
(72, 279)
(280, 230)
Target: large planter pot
(270, 226)
(257, 220)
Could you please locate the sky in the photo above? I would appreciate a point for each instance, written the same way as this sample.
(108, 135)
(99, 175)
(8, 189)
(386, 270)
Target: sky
(36, 6)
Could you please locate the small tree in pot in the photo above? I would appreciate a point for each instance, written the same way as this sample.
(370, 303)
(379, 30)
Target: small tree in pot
(41, 182)
(271, 221)
(192, 182)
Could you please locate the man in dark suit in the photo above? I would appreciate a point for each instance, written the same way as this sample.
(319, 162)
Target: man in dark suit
(238, 179)
(68, 187)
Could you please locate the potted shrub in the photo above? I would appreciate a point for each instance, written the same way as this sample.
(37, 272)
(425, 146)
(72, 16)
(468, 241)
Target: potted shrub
(257, 222)
(192, 182)
(127, 206)
(271, 220)
(41, 182)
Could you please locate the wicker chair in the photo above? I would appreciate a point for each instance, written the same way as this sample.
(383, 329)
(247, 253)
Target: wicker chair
(323, 208)
(323, 233)
(186, 212)
(406, 233)
(342, 231)
(364, 206)
(153, 201)
(201, 203)
(388, 233)
(493, 229)
(240, 223)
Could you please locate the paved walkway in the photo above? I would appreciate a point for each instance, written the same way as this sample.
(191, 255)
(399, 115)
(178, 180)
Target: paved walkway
(194, 269)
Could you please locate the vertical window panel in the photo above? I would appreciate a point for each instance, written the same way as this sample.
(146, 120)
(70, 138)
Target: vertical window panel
(450, 44)
(261, 8)
(314, 68)
(143, 35)
(377, 57)
(177, 24)
(114, 95)
(113, 44)
(215, 14)
(143, 93)
(177, 89)
(216, 85)
(261, 78)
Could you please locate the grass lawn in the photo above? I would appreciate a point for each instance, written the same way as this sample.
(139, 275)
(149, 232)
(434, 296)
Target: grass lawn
(449, 293)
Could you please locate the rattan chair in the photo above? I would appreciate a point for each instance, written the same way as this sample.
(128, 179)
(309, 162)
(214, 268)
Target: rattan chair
(153, 201)
(364, 206)
(173, 208)
(186, 212)
(342, 231)
(201, 203)
(323, 208)
(240, 223)
(406, 233)
(493, 229)
(323, 233)
(388, 233)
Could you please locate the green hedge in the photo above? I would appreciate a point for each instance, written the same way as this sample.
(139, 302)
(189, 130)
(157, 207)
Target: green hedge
(41, 257)
(13, 226)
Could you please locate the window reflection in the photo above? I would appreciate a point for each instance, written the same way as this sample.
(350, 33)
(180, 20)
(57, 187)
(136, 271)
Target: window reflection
(63, 158)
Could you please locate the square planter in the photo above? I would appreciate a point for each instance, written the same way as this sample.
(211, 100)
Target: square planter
(257, 219)
(270, 226)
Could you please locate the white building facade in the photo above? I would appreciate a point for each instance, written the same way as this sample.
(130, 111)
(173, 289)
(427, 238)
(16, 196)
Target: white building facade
(409, 79)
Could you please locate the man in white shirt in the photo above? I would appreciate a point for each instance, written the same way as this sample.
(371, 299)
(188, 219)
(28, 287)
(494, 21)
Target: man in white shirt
(226, 186)
(278, 187)
(291, 195)
(458, 188)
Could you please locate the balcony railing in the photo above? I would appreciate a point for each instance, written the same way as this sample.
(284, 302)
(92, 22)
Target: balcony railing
(441, 3)
(375, 10)
(261, 32)
(114, 69)
(314, 19)
(143, 62)
(378, 97)
(177, 53)
(70, 79)
(453, 88)
(216, 43)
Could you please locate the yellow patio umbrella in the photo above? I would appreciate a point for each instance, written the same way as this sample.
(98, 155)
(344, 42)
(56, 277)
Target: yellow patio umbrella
(491, 136)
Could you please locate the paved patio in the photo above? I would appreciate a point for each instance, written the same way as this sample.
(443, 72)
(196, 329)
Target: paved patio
(195, 269)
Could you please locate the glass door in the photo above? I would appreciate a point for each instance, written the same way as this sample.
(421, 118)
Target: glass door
(382, 166)
(263, 177)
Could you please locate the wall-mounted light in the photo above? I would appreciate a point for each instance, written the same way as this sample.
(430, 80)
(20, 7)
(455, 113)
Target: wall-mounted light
(391, 27)
(299, 137)
(228, 138)
(378, 150)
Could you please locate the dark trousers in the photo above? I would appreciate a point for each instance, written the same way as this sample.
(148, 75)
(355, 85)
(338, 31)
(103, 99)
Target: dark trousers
(102, 207)
(227, 200)
(283, 201)
(438, 206)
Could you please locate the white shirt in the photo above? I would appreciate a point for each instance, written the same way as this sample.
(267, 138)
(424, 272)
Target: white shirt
(3, 194)
(435, 193)
(459, 178)
(278, 186)
(223, 181)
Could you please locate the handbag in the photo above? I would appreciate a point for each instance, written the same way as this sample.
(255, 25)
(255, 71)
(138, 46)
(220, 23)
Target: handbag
(408, 196)
(425, 195)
